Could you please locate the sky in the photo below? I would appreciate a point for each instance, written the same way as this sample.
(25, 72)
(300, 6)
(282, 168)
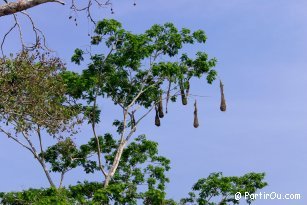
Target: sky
(261, 50)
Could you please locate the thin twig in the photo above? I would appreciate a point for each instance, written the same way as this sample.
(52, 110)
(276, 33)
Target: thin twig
(6, 34)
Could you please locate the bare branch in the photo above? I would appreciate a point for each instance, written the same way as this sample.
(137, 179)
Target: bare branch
(88, 8)
(9, 135)
(38, 35)
(6, 34)
(11, 8)
(40, 159)
(20, 31)
(30, 144)
(101, 167)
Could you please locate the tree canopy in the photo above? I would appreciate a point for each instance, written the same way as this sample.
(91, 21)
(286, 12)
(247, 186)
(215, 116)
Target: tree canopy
(132, 76)
(139, 73)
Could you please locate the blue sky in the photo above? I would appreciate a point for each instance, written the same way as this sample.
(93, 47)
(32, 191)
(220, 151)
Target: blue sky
(261, 48)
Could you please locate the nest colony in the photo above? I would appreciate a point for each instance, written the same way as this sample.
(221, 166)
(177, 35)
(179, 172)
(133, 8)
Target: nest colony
(184, 99)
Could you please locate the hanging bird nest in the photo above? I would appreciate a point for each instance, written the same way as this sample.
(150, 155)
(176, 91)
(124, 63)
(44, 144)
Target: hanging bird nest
(196, 123)
(157, 119)
(223, 101)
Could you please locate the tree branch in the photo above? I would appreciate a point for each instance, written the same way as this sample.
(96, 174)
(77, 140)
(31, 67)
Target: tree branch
(6, 34)
(40, 142)
(9, 135)
(40, 160)
(95, 135)
(21, 5)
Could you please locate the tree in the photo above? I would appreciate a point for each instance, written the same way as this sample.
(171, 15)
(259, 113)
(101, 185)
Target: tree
(33, 103)
(217, 187)
(133, 77)
(39, 97)
(140, 178)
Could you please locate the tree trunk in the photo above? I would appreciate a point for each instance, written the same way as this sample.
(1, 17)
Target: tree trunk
(62, 179)
(115, 163)
(42, 163)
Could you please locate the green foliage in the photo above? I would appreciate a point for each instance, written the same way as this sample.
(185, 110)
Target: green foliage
(37, 197)
(216, 186)
(140, 167)
(137, 73)
(62, 156)
(205, 192)
(77, 57)
(32, 94)
(33, 103)
(122, 73)
(131, 73)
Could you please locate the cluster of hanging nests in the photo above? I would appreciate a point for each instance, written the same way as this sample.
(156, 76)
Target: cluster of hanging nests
(184, 95)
